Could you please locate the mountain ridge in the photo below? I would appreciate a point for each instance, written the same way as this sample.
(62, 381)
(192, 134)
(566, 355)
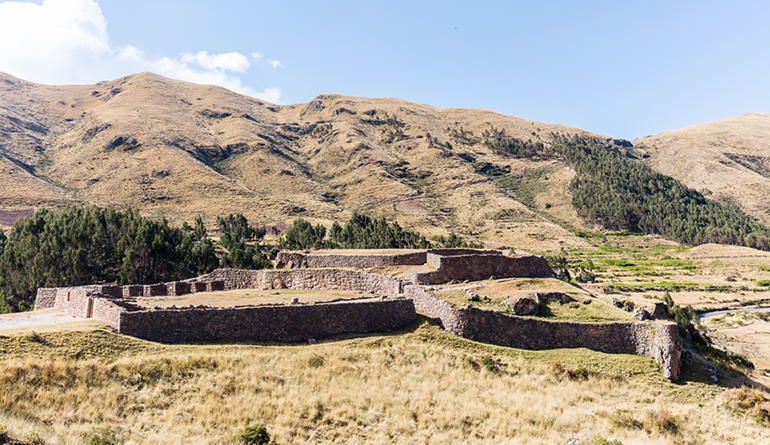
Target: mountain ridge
(176, 149)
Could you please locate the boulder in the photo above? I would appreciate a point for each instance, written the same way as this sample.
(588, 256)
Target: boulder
(642, 314)
(525, 306)
(556, 297)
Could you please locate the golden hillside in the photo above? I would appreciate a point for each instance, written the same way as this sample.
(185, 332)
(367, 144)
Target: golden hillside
(177, 149)
(728, 160)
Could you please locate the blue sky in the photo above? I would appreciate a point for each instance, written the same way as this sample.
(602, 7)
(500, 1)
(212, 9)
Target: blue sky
(621, 68)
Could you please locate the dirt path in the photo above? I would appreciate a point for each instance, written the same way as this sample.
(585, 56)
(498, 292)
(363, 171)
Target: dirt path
(34, 318)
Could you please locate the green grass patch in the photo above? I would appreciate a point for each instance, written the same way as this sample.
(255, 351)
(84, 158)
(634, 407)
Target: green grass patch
(671, 286)
(494, 296)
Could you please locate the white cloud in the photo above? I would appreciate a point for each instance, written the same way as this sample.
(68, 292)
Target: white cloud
(57, 41)
(66, 41)
(231, 61)
(258, 57)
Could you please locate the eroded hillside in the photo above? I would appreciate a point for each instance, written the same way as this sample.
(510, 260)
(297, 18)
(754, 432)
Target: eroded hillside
(177, 149)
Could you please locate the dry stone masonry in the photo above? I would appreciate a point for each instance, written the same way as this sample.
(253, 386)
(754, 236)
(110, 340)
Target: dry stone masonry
(659, 341)
(301, 322)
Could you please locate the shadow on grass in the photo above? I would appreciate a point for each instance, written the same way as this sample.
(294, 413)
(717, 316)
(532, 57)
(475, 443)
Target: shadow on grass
(732, 370)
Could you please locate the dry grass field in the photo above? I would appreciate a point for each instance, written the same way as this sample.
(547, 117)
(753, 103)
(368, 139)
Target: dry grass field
(419, 385)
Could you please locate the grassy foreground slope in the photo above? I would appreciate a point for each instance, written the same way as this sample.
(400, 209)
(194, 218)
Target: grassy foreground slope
(419, 385)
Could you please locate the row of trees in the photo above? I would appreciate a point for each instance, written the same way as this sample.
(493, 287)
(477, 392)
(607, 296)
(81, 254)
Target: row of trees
(619, 193)
(360, 232)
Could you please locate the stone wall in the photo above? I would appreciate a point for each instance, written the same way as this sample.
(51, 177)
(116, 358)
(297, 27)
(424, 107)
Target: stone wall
(322, 279)
(108, 311)
(481, 267)
(295, 323)
(46, 298)
(133, 290)
(659, 341)
(178, 288)
(77, 301)
(298, 260)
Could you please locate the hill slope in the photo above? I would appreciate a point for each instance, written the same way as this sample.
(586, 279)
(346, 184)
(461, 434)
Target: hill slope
(729, 158)
(177, 149)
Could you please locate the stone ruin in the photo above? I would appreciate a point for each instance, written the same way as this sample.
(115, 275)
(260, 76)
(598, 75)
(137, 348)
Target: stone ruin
(297, 322)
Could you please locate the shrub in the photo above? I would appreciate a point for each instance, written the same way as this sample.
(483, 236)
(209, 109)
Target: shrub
(753, 403)
(100, 436)
(34, 438)
(254, 435)
(489, 363)
(579, 373)
(316, 361)
(34, 337)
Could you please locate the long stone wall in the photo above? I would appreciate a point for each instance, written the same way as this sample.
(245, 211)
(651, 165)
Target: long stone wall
(301, 322)
(659, 341)
(480, 267)
(322, 279)
(293, 323)
(299, 260)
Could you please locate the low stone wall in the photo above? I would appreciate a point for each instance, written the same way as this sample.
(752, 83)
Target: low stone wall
(46, 298)
(133, 290)
(294, 323)
(108, 311)
(659, 341)
(433, 256)
(178, 288)
(322, 279)
(481, 267)
(111, 291)
(299, 260)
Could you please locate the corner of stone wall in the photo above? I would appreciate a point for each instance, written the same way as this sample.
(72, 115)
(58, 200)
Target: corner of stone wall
(661, 342)
(45, 298)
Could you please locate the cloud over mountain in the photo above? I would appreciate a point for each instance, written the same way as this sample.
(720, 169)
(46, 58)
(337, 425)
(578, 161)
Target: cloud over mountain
(67, 42)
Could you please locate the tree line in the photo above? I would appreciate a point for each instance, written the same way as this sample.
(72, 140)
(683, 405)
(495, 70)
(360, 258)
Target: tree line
(364, 232)
(76, 246)
(360, 232)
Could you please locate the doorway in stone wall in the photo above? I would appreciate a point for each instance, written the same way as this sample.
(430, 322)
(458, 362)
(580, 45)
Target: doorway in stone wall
(90, 308)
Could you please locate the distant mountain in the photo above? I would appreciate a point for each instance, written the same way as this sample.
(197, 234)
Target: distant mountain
(728, 160)
(176, 149)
